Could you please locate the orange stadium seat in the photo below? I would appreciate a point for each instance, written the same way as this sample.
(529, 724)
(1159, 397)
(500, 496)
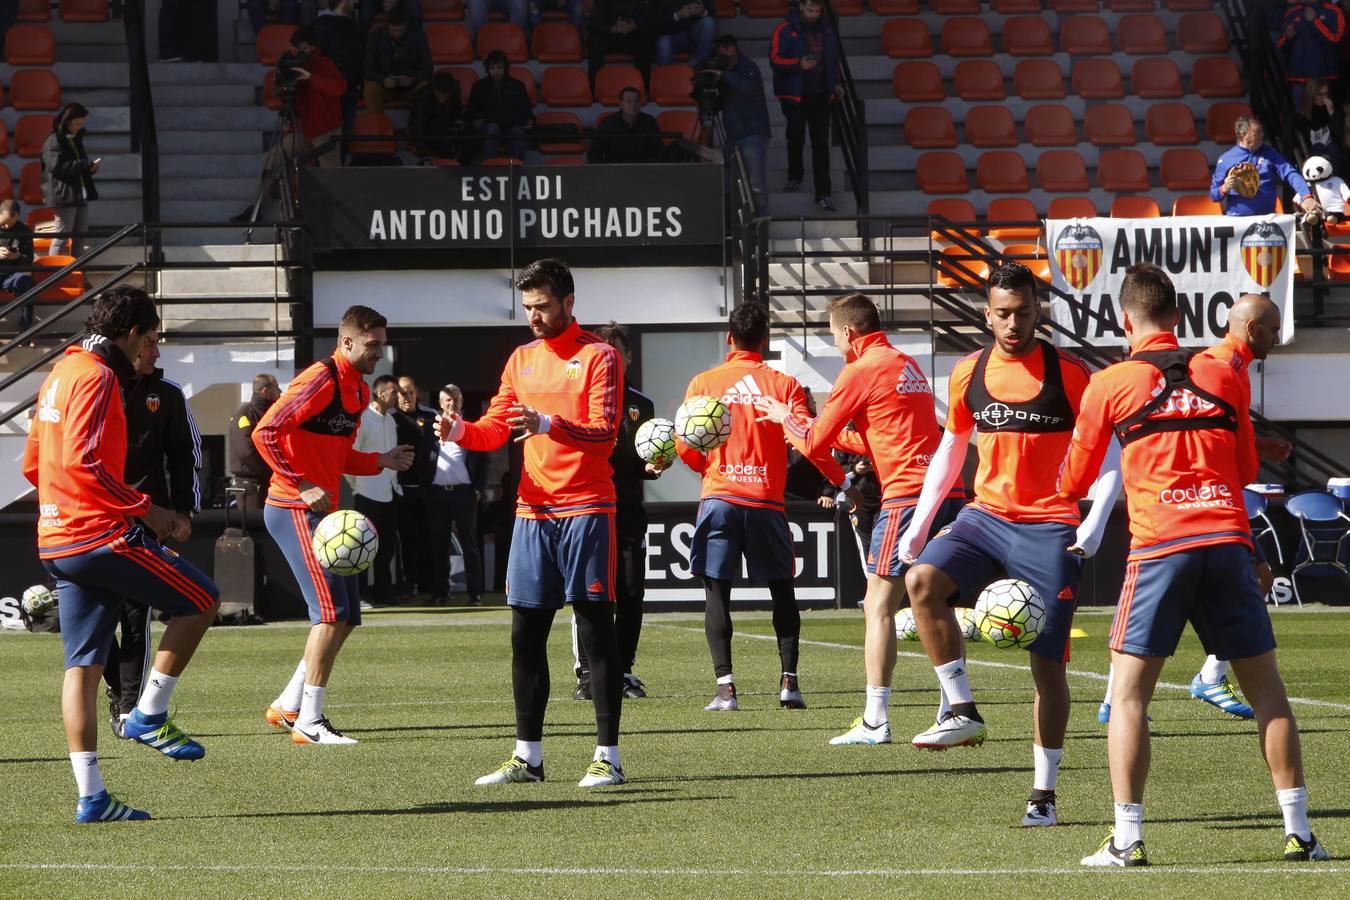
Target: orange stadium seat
(1195, 205)
(847, 7)
(449, 43)
(1002, 172)
(525, 77)
(895, 7)
(1188, 5)
(1032, 256)
(1051, 125)
(1135, 208)
(906, 39)
(1129, 6)
(1220, 119)
(556, 42)
(673, 85)
(1016, 7)
(68, 287)
(466, 77)
(83, 10)
(917, 81)
(1185, 170)
(726, 9)
(35, 11)
(966, 36)
(1170, 123)
(1038, 79)
(979, 79)
(929, 127)
(612, 79)
(1084, 36)
(566, 86)
(29, 133)
(765, 9)
(955, 7)
(556, 121)
(1071, 208)
(373, 124)
(956, 210)
(684, 121)
(942, 172)
(4, 140)
(1109, 125)
(6, 183)
(1059, 171)
(1213, 76)
(1202, 32)
(30, 45)
(272, 42)
(1074, 6)
(1155, 78)
(30, 184)
(1141, 34)
(961, 260)
(565, 161)
(1027, 36)
(442, 10)
(1122, 171)
(1012, 209)
(504, 161)
(503, 36)
(990, 126)
(1097, 79)
(1338, 266)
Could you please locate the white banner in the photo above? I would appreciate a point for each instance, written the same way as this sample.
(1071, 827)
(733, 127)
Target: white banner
(1212, 260)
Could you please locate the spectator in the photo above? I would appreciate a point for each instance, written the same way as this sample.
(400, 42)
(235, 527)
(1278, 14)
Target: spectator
(457, 482)
(344, 42)
(378, 433)
(68, 176)
(437, 113)
(805, 56)
(517, 12)
(685, 26)
(242, 460)
(1322, 121)
(862, 476)
(745, 113)
(412, 421)
(398, 61)
(16, 252)
(628, 136)
(498, 105)
(623, 26)
(1310, 43)
(411, 10)
(1270, 166)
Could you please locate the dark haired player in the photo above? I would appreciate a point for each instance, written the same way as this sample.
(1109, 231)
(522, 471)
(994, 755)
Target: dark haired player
(561, 394)
(307, 438)
(90, 543)
(1186, 433)
(1020, 396)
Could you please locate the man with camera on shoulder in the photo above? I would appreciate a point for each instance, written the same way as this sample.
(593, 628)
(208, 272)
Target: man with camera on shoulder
(738, 86)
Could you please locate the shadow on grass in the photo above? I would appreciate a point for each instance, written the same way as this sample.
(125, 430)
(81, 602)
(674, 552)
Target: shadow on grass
(33, 759)
(1252, 821)
(854, 773)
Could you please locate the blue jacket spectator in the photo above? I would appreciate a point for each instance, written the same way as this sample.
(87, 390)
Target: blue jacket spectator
(786, 50)
(1310, 41)
(1272, 167)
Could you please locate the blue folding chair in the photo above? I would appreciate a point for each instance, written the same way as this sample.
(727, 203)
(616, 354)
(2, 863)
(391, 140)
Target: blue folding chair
(1324, 524)
(1256, 511)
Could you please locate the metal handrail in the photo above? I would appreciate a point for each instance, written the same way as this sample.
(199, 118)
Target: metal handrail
(32, 293)
(851, 115)
(38, 327)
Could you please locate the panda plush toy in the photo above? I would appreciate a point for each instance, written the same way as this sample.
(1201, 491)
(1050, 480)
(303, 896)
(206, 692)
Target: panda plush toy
(1327, 187)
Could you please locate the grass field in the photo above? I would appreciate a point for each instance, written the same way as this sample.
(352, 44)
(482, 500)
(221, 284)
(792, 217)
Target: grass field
(751, 803)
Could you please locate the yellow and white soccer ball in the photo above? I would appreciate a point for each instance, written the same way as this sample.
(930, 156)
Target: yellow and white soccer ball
(346, 542)
(1010, 613)
(969, 622)
(905, 627)
(38, 599)
(703, 423)
(655, 441)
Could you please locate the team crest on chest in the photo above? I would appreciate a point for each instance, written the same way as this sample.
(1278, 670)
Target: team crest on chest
(634, 412)
(573, 369)
(152, 402)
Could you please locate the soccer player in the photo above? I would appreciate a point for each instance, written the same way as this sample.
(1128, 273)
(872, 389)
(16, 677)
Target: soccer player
(1188, 450)
(1021, 396)
(884, 394)
(307, 438)
(164, 452)
(88, 540)
(741, 511)
(561, 393)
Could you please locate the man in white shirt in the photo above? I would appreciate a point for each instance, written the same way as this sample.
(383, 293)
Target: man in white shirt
(375, 494)
(452, 499)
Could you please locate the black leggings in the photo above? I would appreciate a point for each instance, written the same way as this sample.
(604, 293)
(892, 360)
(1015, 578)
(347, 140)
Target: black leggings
(787, 622)
(529, 668)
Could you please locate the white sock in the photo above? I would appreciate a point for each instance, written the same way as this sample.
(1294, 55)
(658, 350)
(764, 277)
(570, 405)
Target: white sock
(1046, 764)
(530, 751)
(289, 698)
(954, 682)
(610, 753)
(1129, 824)
(1110, 680)
(1214, 670)
(1293, 803)
(89, 781)
(311, 705)
(156, 693)
(726, 679)
(876, 713)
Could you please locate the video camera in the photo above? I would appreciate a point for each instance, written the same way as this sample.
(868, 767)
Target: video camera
(707, 84)
(288, 73)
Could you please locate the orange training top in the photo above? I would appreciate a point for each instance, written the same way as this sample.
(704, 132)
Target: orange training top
(1239, 356)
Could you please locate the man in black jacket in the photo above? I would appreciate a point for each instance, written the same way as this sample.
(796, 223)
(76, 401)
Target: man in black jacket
(623, 26)
(398, 61)
(412, 419)
(437, 112)
(454, 486)
(242, 459)
(628, 136)
(498, 105)
(164, 452)
(16, 254)
(344, 42)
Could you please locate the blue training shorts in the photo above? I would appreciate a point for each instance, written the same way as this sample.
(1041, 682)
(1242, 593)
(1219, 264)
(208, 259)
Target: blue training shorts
(559, 561)
(979, 546)
(725, 532)
(329, 598)
(91, 586)
(883, 555)
(1214, 588)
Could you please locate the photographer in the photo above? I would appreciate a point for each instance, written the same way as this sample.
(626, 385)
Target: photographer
(805, 56)
(398, 61)
(685, 26)
(745, 111)
(316, 85)
(623, 26)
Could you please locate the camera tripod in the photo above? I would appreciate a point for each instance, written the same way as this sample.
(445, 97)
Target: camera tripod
(287, 123)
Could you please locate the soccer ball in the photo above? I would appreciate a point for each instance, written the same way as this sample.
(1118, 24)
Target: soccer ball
(38, 599)
(1010, 613)
(704, 423)
(346, 542)
(655, 441)
(969, 622)
(905, 627)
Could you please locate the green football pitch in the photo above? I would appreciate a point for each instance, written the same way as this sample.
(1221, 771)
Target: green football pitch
(748, 803)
